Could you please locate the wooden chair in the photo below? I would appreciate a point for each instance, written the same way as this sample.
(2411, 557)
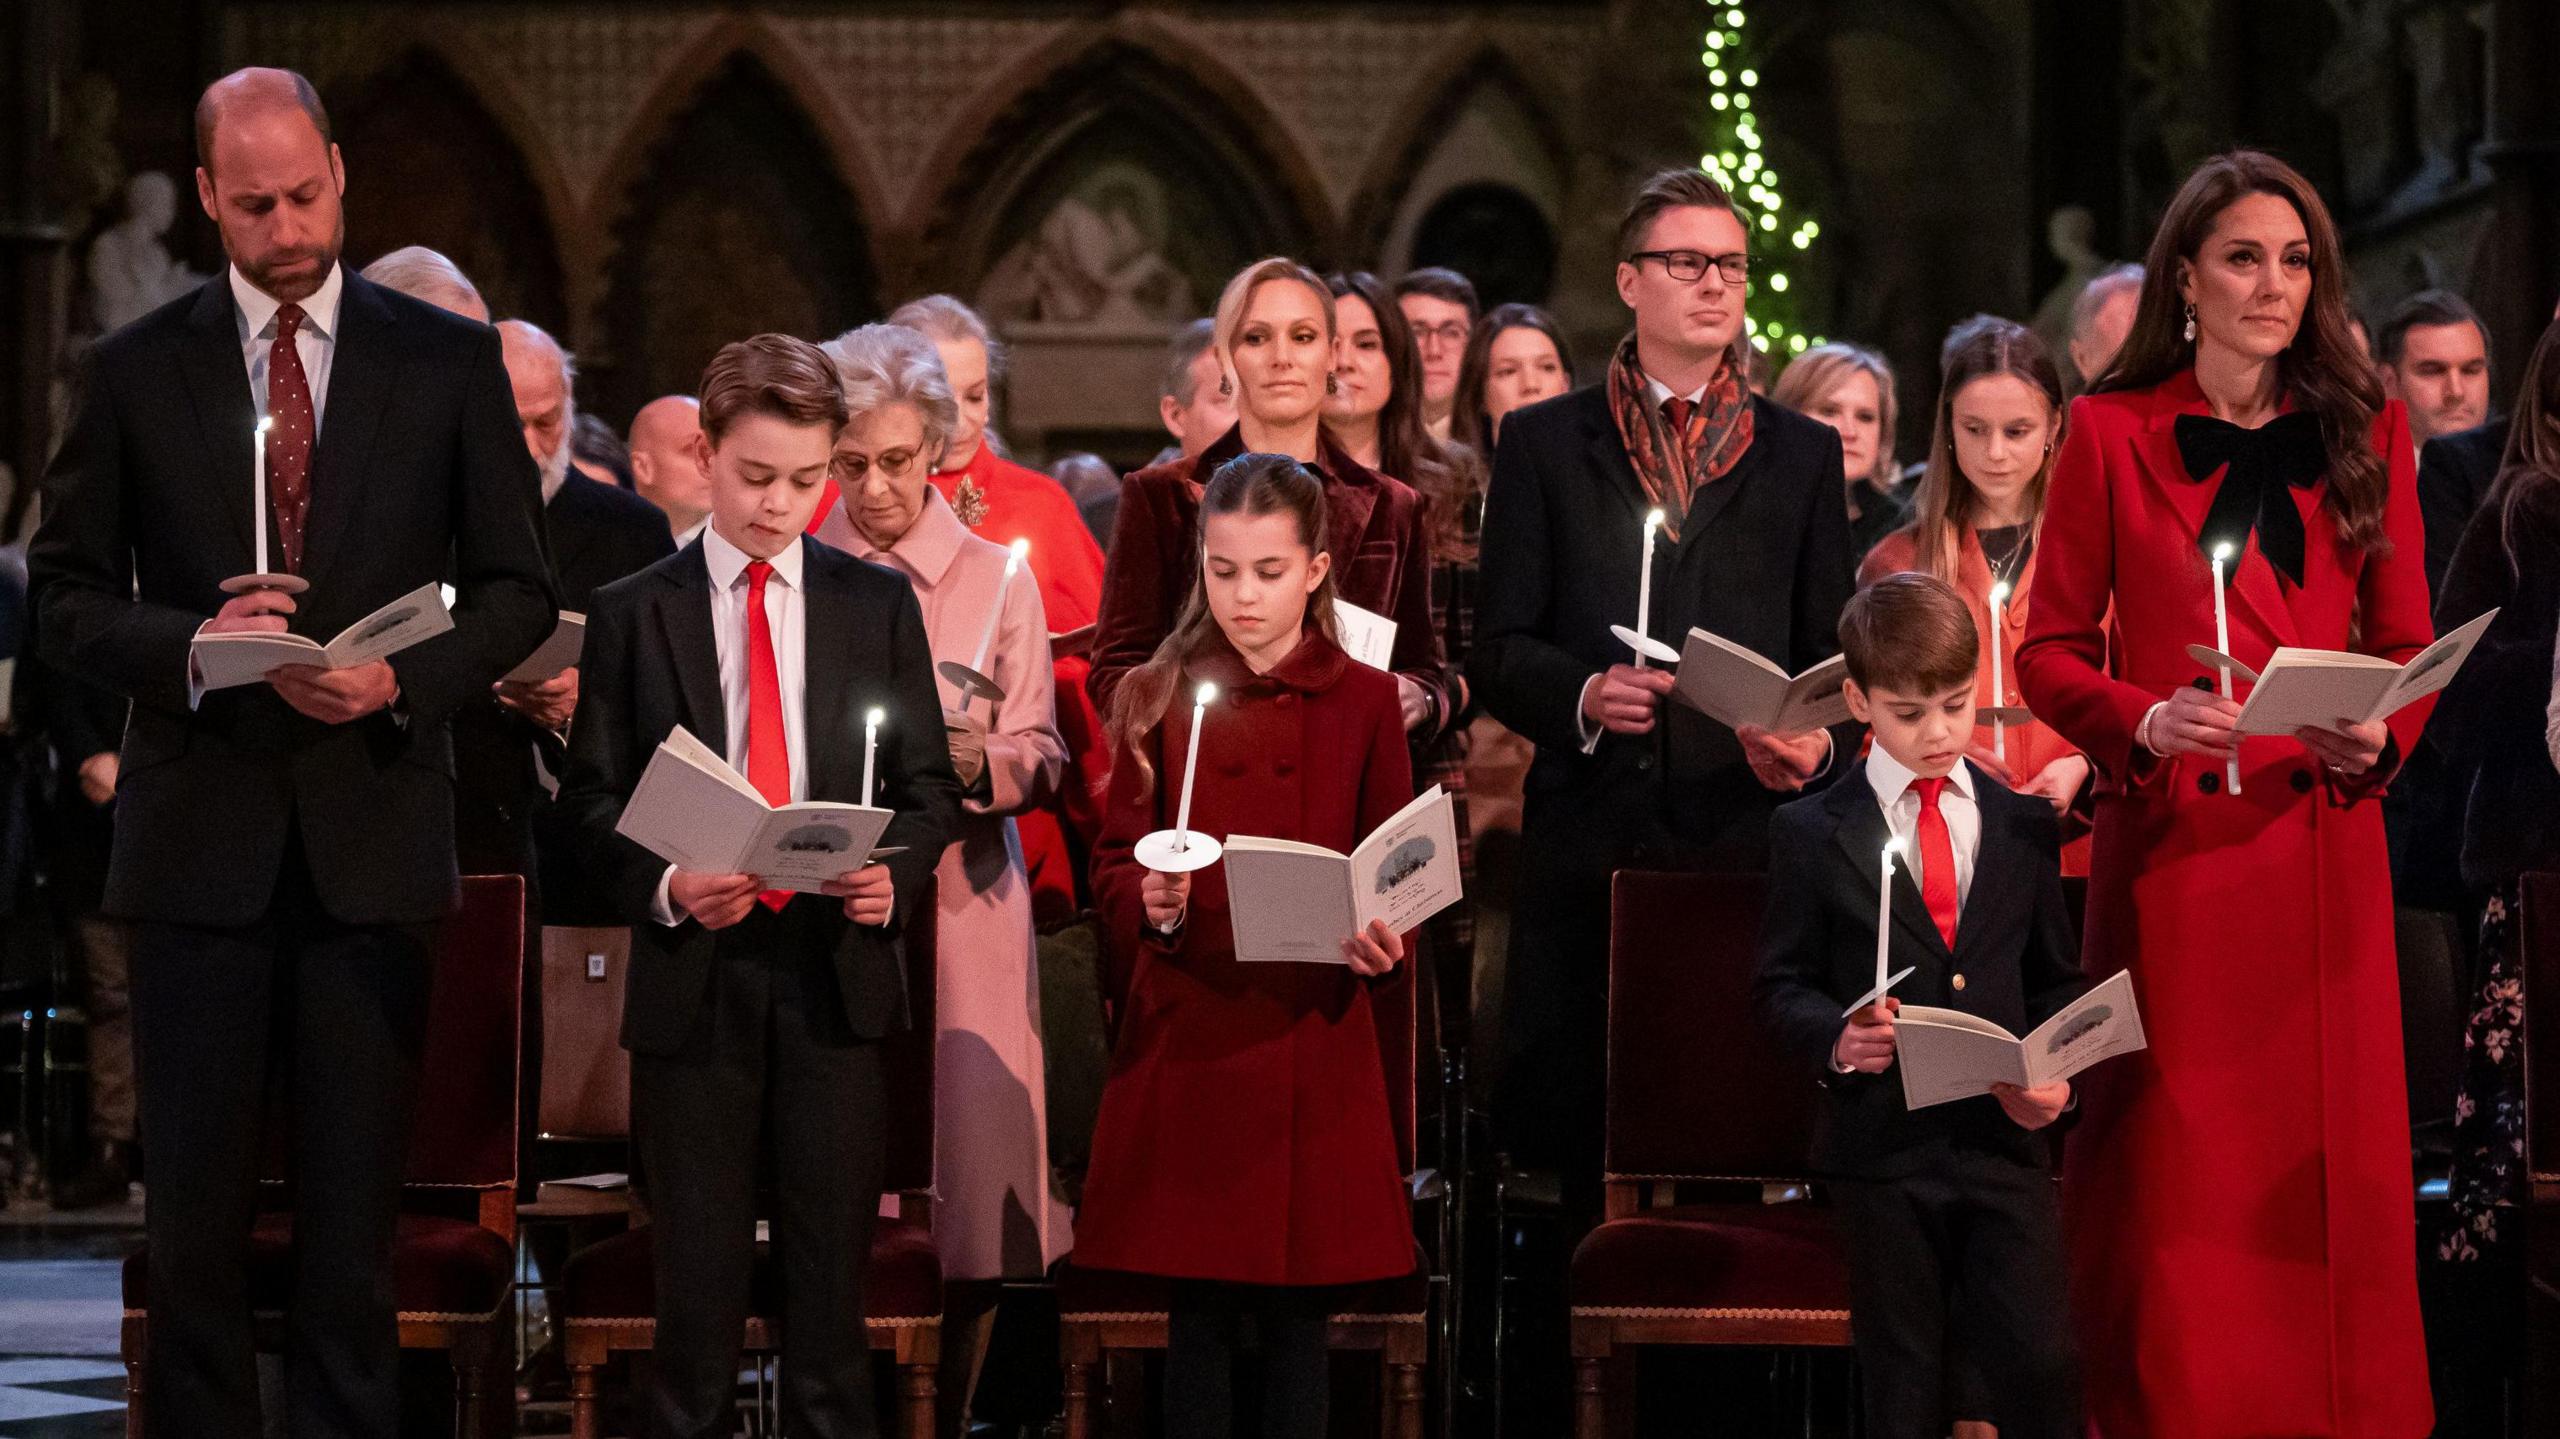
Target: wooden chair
(1697, 1095)
(608, 1296)
(453, 1277)
(1104, 1317)
(2538, 943)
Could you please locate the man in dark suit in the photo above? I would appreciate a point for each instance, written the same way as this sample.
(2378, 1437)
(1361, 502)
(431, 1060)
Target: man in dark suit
(285, 849)
(2454, 475)
(754, 1019)
(1953, 1199)
(1755, 548)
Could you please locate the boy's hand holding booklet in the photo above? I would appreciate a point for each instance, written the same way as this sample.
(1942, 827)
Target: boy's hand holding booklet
(2319, 689)
(1741, 687)
(1292, 901)
(226, 660)
(1946, 1054)
(696, 813)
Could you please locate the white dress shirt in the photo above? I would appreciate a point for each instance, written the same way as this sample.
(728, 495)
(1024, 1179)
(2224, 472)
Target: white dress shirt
(787, 616)
(1895, 787)
(316, 341)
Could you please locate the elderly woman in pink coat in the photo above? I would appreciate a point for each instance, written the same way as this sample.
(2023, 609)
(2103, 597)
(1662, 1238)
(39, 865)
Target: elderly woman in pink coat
(996, 1217)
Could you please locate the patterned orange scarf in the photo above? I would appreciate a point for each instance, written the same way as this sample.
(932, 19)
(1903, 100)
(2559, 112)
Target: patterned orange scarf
(1672, 467)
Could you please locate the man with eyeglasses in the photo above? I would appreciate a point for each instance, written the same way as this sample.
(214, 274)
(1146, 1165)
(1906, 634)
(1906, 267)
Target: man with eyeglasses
(1440, 306)
(1754, 547)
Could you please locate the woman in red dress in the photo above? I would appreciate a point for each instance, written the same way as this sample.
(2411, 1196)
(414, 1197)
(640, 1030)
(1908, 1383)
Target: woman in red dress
(2239, 1195)
(1245, 1148)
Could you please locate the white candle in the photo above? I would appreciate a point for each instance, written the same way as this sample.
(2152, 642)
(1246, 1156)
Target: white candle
(258, 490)
(1884, 918)
(870, 750)
(1999, 693)
(1653, 520)
(987, 636)
(2222, 643)
(1191, 764)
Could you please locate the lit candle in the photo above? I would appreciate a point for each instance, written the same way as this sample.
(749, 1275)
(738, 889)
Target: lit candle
(1191, 764)
(1653, 520)
(258, 490)
(1999, 693)
(2222, 643)
(1884, 918)
(870, 750)
(987, 636)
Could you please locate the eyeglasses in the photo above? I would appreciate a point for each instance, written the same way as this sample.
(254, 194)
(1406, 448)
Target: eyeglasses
(1690, 266)
(1452, 333)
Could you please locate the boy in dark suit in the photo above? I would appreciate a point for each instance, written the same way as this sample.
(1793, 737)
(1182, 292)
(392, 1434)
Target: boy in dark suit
(756, 1015)
(1954, 1237)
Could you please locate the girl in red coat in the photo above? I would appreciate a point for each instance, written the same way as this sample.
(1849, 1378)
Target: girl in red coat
(1244, 1148)
(2238, 1196)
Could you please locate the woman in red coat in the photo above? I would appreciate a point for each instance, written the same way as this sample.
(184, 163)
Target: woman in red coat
(1275, 338)
(2239, 1195)
(1244, 1148)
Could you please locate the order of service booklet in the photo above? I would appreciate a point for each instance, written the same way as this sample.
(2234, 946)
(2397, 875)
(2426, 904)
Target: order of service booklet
(1946, 1054)
(1366, 635)
(695, 812)
(1741, 686)
(244, 658)
(1293, 901)
(2316, 689)
(557, 653)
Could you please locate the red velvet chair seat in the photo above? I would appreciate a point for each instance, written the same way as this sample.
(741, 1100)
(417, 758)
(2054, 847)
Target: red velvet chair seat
(1695, 1258)
(615, 1279)
(439, 1266)
(1098, 1292)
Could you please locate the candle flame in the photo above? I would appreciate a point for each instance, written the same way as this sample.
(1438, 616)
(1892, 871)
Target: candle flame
(874, 717)
(1892, 850)
(2000, 593)
(1020, 549)
(1204, 694)
(1655, 519)
(265, 423)
(2222, 551)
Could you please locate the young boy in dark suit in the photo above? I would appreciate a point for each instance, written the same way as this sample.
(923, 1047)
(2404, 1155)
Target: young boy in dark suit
(1953, 1234)
(754, 1017)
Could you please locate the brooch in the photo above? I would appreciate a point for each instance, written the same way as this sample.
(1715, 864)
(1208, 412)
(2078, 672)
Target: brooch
(970, 504)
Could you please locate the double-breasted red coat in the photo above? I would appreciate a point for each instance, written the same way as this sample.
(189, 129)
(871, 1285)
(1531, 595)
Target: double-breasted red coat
(2238, 1196)
(2032, 745)
(1245, 1131)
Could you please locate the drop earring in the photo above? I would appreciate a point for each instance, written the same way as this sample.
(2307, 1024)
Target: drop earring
(2191, 324)
(1228, 387)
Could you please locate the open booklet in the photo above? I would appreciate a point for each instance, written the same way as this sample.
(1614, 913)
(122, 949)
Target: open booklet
(1366, 635)
(1292, 901)
(225, 660)
(1946, 1054)
(1741, 686)
(2316, 689)
(557, 653)
(696, 813)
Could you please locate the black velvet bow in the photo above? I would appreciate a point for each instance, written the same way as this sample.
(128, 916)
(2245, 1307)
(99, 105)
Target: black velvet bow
(2285, 452)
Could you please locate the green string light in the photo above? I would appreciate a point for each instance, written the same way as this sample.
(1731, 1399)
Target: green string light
(1736, 161)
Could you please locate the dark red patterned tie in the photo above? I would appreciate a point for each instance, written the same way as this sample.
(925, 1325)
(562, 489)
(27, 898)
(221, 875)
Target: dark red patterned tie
(1675, 414)
(291, 440)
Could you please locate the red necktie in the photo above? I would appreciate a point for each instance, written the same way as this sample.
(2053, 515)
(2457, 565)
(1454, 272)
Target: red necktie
(768, 744)
(290, 441)
(1675, 413)
(1937, 860)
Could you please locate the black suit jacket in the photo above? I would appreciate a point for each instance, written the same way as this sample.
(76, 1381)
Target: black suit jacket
(595, 534)
(81, 721)
(1763, 560)
(2454, 475)
(421, 473)
(651, 664)
(2014, 947)
(2422, 812)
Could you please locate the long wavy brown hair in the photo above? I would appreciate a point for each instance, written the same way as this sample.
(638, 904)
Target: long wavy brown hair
(2323, 369)
(1406, 450)
(1253, 485)
(2532, 460)
(1942, 508)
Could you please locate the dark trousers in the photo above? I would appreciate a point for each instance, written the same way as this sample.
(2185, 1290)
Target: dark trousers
(771, 1076)
(1963, 1257)
(336, 1015)
(1214, 1330)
